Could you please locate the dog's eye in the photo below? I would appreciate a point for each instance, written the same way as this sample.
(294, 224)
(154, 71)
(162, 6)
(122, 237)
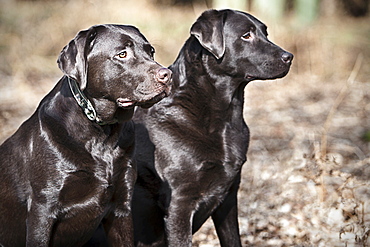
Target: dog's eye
(152, 51)
(247, 36)
(122, 54)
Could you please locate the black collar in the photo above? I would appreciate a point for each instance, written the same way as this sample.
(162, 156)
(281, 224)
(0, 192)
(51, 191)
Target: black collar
(84, 103)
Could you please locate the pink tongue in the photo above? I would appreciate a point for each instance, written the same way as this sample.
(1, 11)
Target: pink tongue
(124, 103)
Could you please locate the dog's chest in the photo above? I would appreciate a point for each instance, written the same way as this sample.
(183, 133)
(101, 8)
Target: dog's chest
(104, 158)
(226, 143)
(201, 156)
(91, 176)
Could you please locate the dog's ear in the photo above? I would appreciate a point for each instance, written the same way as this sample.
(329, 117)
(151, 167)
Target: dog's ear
(208, 29)
(72, 59)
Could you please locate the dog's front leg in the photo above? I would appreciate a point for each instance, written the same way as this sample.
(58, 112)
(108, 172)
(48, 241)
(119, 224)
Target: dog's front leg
(225, 218)
(121, 229)
(179, 223)
(39, 225)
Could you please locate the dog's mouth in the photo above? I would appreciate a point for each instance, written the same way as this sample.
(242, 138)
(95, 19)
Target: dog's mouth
(155, 99)
(249, 77)
(145, 103)
(125, 103)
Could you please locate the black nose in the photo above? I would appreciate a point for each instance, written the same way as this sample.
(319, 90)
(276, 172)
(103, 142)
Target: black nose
(287, 57)
(164, 75)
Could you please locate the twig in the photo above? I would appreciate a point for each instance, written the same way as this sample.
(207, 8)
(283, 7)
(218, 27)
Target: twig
(342, 94)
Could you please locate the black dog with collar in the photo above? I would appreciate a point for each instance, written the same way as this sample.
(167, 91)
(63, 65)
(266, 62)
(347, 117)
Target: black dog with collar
(68, 168)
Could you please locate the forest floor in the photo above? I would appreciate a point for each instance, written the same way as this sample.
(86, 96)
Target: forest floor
(307, 178)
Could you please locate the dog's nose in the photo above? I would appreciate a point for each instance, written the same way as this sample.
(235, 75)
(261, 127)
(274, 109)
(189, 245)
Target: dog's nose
(164, 75)
(287, 57)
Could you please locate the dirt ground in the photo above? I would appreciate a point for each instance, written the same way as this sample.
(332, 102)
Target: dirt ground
(307, 178)
(291, 193)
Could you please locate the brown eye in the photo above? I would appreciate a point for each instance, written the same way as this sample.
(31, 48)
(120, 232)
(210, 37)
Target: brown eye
(122, 54)
(247, 36)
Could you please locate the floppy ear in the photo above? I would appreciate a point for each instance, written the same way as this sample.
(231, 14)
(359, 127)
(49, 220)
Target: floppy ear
(72, 59)
(208, 29)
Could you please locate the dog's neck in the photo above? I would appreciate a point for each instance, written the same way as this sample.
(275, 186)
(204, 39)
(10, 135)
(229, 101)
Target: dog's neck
(84, 102)
(60, 108)
(200, 99)
(193, 79)
(121, 115)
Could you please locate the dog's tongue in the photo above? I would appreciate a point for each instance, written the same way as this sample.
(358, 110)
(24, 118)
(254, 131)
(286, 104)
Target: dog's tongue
(125, 102)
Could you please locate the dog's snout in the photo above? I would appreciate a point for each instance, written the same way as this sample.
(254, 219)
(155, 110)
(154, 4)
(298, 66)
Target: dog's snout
(287, 57)
(164, 75)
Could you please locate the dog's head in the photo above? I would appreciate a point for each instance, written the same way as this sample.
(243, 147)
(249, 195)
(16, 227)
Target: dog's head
(115, 68)
(238, 42)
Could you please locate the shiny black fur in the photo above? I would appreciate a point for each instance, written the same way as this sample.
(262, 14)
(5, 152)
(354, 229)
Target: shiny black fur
(61, 174)
(191, 146)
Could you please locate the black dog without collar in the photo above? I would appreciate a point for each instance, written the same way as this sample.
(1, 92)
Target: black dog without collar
(191, 146)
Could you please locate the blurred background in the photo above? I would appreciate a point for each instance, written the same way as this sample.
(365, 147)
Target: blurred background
(307, 178)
